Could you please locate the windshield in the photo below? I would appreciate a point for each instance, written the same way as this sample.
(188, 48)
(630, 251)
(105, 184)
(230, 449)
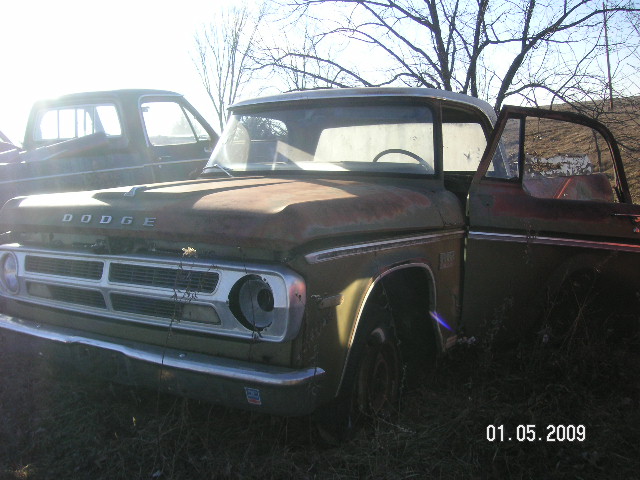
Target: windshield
(385, 139)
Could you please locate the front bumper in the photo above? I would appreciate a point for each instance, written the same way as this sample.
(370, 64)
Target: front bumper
(233, 383)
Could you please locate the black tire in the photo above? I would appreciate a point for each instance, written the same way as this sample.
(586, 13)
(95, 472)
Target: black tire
(371, 384)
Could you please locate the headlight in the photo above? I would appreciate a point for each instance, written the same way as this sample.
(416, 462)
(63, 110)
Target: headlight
(9, 273)
(251, 302)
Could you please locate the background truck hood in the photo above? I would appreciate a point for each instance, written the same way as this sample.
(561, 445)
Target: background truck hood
(274, 213)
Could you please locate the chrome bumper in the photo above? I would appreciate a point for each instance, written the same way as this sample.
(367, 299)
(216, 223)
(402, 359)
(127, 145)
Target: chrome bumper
(234, 383)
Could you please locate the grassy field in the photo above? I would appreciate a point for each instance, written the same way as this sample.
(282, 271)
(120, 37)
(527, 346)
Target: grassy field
(57, 427)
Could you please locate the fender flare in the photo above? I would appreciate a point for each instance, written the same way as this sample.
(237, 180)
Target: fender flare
(383, 273)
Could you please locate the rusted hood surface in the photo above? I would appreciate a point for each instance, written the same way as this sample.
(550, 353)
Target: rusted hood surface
(274, 213)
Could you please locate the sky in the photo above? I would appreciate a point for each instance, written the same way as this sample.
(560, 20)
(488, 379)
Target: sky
(53, 47)
(50, 48)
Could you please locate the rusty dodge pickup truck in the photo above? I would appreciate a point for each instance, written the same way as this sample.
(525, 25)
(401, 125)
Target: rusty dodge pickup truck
(84, 141)
(334, 237)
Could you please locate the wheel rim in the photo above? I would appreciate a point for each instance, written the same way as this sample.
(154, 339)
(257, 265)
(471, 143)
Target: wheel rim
(378, 382)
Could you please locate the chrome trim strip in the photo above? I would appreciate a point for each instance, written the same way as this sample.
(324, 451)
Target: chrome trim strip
(236, 370)
(172, 162)
(104, 170)
(364, 248)
(564, 242)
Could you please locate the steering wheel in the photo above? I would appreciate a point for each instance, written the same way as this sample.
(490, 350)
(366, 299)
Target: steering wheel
(402, 151)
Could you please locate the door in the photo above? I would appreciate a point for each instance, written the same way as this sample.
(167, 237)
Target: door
(180, 141)
(549, 202)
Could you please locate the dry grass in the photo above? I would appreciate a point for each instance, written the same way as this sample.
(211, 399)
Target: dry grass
(55, 427)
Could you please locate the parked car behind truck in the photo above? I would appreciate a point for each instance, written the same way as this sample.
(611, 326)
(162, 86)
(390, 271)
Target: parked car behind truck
(106, 139)
(334, 237)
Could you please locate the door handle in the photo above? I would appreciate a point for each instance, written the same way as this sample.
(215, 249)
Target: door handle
(634, 217)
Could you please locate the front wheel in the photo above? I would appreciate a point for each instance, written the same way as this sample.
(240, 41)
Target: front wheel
(370, 387)
(378, 378)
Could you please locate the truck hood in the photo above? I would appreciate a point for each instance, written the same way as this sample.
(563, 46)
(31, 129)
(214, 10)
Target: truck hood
(278, 214)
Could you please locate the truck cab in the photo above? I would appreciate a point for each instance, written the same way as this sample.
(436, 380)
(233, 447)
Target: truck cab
(92, 140)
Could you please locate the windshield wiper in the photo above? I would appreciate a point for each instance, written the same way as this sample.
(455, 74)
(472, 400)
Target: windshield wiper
(219, 167)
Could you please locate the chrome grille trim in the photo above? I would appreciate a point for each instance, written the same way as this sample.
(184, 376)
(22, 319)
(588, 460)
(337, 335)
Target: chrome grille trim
(152, 307)
(78, 296)
(67, 268)
(195, 281)
(156, 287)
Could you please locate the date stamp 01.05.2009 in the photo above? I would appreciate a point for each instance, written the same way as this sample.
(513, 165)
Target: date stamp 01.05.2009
(530, 433)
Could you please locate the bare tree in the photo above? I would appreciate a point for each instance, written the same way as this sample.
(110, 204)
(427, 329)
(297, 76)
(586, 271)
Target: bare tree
(224, 56)
(302, 67)
(532, 49)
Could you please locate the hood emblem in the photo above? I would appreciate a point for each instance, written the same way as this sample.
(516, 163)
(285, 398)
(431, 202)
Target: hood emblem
(134, 190)
(88, 218)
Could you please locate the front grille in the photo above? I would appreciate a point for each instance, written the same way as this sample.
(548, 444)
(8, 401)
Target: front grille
(77, 296)
(175, 278)
(146, 306)
(125, 287)
(63, 267)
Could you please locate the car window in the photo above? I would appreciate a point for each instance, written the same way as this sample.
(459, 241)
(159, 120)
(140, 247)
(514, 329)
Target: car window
(168, 123)
(392, 143)
(568, 161)
(77, 121)
(351, 138)
(462, 146)
(505, 163)
(559, 160)
(200, 131)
